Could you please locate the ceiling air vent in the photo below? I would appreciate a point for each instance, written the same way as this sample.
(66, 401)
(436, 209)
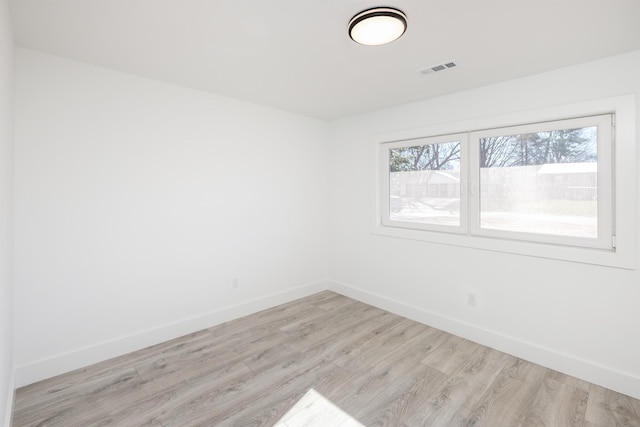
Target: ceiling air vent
(436, 68)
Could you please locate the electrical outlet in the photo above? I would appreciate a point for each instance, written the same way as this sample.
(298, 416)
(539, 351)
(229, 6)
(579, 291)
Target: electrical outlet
(235, 283)
(472, 299)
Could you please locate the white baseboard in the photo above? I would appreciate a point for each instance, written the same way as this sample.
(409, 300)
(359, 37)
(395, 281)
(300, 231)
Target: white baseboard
(11, 394)
(592, 372)
(62, 363)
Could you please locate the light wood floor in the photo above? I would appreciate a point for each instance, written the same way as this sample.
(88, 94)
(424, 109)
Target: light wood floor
(325, 360)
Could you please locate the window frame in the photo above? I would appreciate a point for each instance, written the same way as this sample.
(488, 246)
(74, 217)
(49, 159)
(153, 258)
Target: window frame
(624, 182)
(605, 188)
(386, 208)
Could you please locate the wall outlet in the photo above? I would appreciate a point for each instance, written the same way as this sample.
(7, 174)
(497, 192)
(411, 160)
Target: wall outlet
(235, 283)
(472, 299)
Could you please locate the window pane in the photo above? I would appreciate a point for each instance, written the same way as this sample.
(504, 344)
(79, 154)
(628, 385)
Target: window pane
(424, 184)
(542, 182)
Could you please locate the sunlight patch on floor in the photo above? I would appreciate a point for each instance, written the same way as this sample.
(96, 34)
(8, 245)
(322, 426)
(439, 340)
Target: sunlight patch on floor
(313, 409)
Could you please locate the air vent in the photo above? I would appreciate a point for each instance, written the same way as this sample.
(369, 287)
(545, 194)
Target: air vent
(436, 68)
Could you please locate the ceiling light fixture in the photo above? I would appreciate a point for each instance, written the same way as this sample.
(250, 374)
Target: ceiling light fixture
(380, 25)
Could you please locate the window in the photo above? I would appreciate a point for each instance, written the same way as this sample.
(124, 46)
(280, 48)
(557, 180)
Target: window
(550, 188)
(546, 182)
(423, 184)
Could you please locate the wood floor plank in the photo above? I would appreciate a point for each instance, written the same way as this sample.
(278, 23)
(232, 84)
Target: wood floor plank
(350, 341)
(447, 404)
(376, 388)
(64, 410)
(143, 402)
(330, 327)
(557, 405)
(449, 354)
(189, 398)
(380, 346)
(335, 341)
(608, 408)
(220, 406)
(568, 380)
(370, 367)
(402, 397)
(509, 397)
(323, 319)
(190, 360)
(267, 409)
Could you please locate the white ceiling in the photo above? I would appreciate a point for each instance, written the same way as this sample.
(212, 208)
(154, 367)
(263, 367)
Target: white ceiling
(296, 55)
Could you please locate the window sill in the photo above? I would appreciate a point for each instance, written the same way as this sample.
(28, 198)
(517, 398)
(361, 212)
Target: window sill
(610, 258)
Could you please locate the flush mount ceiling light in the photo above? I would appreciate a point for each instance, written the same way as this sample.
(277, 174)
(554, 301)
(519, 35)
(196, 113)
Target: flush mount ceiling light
(377, 26)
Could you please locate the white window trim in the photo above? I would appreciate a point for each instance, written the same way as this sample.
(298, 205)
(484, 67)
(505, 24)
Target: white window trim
(625, 181)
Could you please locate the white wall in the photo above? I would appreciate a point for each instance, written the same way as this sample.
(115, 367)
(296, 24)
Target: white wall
(578, 318)
(6, 208)
(137, 202)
